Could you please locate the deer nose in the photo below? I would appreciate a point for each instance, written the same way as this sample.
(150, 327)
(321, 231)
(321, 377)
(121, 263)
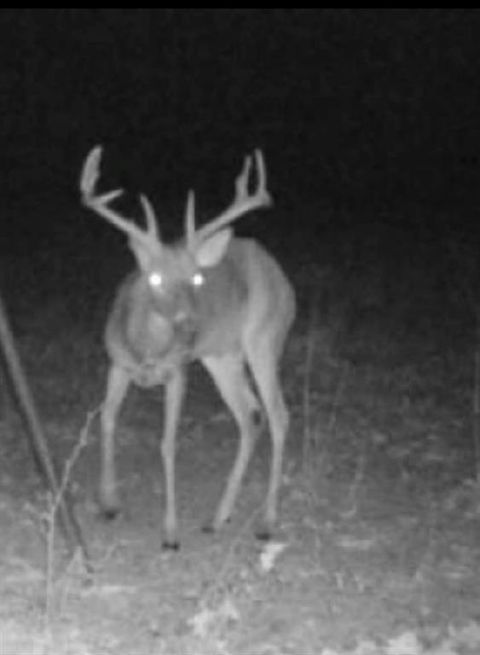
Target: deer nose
(180, 317)
(184, 325)
(161, 330)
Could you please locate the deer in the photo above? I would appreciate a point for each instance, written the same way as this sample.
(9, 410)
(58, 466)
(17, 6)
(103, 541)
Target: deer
(210, 297)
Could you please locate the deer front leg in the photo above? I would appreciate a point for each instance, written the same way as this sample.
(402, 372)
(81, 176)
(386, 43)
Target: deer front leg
(174, 393)
(117, 385)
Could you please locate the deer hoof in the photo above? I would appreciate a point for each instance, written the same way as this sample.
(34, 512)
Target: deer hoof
(171, 545)
(263, 534)
(110, 513)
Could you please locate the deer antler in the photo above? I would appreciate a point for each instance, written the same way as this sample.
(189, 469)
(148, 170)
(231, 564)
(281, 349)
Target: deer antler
(150, 218)
(190, 219)
(242, 203)
(100, 203)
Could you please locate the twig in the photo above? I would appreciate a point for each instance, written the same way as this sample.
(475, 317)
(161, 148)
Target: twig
(469, 294)
(476, 401)
(54, 504)
(342, 383)
(307, 379)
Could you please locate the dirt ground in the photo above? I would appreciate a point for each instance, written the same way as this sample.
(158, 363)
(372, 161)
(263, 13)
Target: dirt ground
(377, 549)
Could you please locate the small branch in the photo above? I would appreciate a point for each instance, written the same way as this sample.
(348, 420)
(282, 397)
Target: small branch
(36, 435)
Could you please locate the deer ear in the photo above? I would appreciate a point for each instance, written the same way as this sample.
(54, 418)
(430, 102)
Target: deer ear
(211, 251)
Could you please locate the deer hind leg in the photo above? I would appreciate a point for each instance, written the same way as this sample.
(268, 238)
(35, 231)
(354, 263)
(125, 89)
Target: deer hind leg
(263, 357)
(117, 385)
(230, 376)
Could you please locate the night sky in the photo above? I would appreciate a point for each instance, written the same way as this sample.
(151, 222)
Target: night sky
(367, 109)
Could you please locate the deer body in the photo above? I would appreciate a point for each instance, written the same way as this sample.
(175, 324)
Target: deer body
(222, 300)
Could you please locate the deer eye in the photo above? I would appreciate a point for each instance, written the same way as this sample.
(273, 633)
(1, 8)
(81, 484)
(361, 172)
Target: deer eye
(198, 280)
(155, 280)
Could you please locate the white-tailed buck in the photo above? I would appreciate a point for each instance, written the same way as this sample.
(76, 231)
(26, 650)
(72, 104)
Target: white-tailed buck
(212, 297)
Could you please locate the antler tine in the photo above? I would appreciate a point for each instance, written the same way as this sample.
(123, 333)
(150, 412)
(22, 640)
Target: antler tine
(241, 181)
(100, 203)
(190, 219)
(90, 171)
(262, 175)
(150, 218)
(243, 201)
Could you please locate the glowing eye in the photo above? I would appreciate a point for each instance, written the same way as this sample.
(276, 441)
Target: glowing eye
(198, 280)
(155, 280)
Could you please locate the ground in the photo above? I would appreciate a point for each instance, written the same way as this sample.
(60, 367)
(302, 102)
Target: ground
(377, 547)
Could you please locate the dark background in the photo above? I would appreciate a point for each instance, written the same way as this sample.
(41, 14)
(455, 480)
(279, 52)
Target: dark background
(357, 110)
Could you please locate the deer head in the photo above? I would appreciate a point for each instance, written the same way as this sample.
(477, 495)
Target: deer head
(166, 267)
